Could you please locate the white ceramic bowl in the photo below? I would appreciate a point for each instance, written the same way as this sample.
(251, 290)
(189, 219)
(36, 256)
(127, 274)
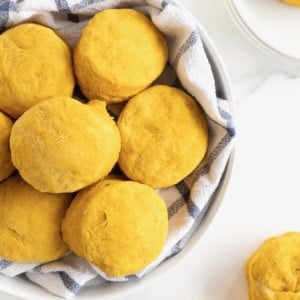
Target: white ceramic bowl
(271, 25)
(23, 288)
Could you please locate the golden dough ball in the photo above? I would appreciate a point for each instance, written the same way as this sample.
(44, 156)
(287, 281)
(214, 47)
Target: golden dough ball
(119, 53)
(6, 166)
(62, 145)
(273, 270)
(118, 226)
(164, 136)
(35, 64)
(30, 222)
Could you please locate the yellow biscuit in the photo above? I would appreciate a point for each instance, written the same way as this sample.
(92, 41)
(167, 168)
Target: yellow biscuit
(62, 145)
(30, 222)
(119, 53)
(35, 64)
(292, 2)
(6, 166)
(164, 136)
(118, 226)
(273, 270)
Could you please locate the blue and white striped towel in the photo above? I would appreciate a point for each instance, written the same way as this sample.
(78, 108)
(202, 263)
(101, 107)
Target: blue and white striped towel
(188, 200)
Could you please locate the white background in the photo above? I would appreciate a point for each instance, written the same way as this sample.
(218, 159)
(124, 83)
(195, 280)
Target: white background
(263, 198)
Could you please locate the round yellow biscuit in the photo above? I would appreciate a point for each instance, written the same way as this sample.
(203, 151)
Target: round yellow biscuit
(118, 226)
(35, 64)
(164, 136)
(6, 166)
(30, 222)
(273, 270)
(62, 145)
(292, 2)
(119, 53)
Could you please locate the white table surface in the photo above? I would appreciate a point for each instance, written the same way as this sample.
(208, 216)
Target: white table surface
(263, 198)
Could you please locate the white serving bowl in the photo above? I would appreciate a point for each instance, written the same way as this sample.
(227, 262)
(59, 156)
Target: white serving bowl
(23, 288)
(271, 25)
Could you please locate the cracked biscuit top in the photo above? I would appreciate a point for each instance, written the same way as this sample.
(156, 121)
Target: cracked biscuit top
(273, 269)
(62, 145)
(30, 222)
(118, 226)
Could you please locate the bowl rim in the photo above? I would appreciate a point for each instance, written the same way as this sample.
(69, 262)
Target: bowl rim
(255, 39)
(27, 290)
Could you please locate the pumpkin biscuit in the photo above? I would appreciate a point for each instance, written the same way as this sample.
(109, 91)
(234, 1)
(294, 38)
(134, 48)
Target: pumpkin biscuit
(164, 136)
(30, 222)
(6, 166)
(292, 2)
(119, 53)
(62, 145)
(35, 64)
(118, 226)
(273, 270)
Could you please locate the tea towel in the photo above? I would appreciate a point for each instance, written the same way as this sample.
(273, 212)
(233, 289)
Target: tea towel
(189, 67)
